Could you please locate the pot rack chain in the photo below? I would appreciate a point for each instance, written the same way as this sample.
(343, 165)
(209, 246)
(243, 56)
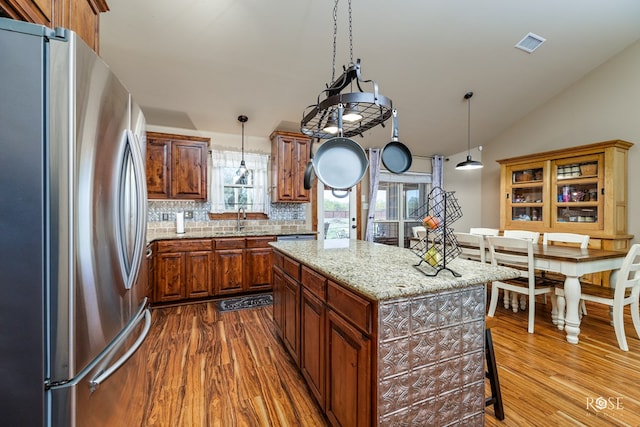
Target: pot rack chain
(374, 108)
(335, 38)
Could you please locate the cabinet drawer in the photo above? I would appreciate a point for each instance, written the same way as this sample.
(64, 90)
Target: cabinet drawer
(260, 242)
(229, 243)
(352, 307)
(314, 282)
(291, 267)
(278, 259)
(180, 245)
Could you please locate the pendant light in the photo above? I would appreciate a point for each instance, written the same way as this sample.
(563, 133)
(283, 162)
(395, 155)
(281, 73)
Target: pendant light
(242, 170)
(469, 163)
(363, 109)
(332, 124)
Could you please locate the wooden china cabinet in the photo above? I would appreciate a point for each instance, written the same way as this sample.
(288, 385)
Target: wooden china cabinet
(290, 154)
(176, 166)
(81, 16)
(577, 190)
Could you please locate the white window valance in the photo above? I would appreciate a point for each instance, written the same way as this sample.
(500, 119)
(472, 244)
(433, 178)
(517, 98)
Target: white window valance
(258, 164)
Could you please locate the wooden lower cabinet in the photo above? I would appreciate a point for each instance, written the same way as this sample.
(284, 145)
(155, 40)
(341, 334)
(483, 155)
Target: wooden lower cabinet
(229, 271)
(278, 293)
(258, 263)
(348, 374)
(332, 349)
(243, 264)
(312, 344)
(291, 315)
(198, 274)
(182, 269)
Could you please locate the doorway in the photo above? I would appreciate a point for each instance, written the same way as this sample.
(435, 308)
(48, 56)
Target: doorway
(337, 213)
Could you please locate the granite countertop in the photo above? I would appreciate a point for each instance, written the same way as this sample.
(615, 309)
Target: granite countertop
(208, 234)
(385, 272)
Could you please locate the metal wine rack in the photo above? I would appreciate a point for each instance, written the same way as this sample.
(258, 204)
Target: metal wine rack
(439, 246)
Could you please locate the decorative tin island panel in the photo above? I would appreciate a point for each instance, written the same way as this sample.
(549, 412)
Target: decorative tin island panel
(431, 359)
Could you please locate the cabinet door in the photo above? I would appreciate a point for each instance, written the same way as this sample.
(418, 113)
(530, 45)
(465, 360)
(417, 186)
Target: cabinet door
(198, 274)
(188, 170)
(286, 147)
(312, 344)
(258, 266)
(170, 271)
(158, 169)
(525, 195)
(36, 11)
(229, 271)
(278, 298)
(348, 398)
(300, 159)
(291, 154)
(578, 194)
(291, 317)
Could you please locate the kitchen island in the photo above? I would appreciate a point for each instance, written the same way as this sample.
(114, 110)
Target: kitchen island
(378, 341)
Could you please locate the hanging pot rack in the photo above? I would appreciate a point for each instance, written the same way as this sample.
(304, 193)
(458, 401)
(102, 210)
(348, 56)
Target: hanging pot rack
(374, 108)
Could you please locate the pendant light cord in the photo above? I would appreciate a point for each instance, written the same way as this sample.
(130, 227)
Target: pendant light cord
(468, 96)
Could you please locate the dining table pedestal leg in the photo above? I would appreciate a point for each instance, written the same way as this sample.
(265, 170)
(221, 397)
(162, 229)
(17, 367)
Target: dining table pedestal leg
(572, 292)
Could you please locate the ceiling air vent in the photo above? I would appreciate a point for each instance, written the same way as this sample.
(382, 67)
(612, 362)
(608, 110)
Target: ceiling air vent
(530, 42)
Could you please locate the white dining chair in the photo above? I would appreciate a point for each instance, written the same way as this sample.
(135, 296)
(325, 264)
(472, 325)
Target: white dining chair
(484, 231)
(534, 236)
(564, 239)
(625, 290)
(502, 252)
(472, 246)
(512, 300)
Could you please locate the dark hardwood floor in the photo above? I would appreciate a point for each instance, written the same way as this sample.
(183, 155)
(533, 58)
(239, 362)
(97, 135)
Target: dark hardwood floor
(206, 368)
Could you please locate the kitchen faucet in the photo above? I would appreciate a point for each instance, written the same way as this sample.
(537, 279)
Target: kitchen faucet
(244, 217)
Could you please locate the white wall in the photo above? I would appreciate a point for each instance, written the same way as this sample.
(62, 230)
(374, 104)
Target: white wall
(604, 105)
(467, 186)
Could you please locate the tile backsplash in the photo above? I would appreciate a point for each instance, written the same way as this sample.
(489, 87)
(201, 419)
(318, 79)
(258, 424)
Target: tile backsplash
(277, 211)
(283, 217)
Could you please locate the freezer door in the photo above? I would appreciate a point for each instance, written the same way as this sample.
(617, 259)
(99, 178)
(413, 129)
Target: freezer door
(22, 227)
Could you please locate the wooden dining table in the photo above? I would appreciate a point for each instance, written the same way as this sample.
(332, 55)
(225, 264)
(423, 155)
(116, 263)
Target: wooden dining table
(573, 263)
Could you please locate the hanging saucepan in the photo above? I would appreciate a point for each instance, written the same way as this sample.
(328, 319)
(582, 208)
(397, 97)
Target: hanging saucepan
(308, 172)
(396, 156)
(340, 163)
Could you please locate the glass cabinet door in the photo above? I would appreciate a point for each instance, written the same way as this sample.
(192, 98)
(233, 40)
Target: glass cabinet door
(525, 194)
(578, 192)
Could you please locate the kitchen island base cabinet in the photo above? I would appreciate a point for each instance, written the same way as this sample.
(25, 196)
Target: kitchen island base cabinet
(383, 362)
(348, 374)
(312, 344)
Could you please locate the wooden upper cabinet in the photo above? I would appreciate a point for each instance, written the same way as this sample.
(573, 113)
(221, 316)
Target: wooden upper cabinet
(577, 190)
(290, 154)
(36, 11)
(80, 16)
(176, 166)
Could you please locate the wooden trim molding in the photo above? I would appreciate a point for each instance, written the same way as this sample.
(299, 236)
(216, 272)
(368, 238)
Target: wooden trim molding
(234, 215)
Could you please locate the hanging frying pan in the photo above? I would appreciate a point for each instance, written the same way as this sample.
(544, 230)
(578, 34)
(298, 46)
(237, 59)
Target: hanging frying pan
(340, 163)
(308, 171)
(396, 156)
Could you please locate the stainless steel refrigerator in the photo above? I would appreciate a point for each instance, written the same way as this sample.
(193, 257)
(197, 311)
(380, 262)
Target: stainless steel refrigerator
(72, 230)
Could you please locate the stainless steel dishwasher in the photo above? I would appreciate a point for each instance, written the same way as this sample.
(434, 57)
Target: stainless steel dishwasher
(296, 237)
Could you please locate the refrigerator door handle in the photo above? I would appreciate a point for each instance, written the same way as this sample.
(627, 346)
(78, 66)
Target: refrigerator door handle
(142, 313)
(131, 258)
(95, 382)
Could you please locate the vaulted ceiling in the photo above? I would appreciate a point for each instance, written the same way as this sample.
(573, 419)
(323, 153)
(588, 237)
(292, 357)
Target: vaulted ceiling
(198, 64)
